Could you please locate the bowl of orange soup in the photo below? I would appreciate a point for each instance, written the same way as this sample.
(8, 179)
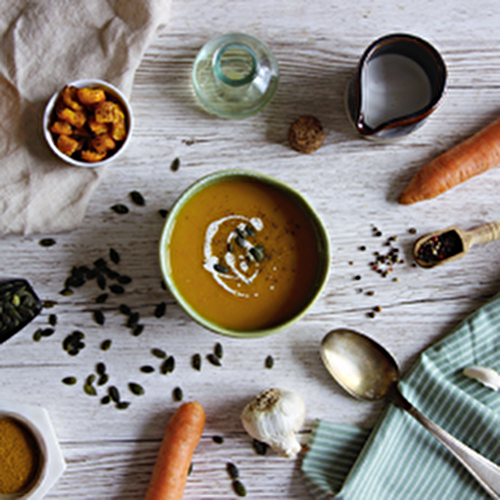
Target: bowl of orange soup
(244, 254)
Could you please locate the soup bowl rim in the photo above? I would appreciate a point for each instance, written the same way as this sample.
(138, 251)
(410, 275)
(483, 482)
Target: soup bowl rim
(213, 178)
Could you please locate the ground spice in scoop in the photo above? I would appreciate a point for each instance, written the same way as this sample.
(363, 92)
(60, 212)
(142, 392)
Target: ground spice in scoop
(441, 247)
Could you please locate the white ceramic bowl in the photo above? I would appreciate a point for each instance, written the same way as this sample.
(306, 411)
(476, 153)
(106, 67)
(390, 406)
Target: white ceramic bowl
(52, 465)
(109, 89)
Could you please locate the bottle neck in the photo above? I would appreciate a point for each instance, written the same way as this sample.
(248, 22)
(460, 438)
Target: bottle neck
(235, 68)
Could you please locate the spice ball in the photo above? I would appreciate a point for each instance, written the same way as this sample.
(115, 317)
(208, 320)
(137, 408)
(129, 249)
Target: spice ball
(306, 134)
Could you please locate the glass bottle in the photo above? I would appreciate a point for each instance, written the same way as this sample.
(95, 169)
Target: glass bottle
(235, 75)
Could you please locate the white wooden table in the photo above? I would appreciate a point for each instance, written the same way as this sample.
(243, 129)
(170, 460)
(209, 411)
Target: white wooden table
(351, 182)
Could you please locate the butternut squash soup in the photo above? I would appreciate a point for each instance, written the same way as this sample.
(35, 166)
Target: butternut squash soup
(244, 254)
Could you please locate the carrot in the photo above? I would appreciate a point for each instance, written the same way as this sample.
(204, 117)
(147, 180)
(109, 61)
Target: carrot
(171, 469)
(472, 157)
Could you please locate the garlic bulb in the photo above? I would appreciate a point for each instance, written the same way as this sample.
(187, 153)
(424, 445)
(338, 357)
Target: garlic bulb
(273, 416)
(487, 376)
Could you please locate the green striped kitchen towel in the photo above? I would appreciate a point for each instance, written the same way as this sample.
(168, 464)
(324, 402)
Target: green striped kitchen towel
(399, 459)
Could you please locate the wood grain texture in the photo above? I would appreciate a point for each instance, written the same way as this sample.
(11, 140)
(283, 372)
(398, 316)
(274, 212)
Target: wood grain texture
(353, 184)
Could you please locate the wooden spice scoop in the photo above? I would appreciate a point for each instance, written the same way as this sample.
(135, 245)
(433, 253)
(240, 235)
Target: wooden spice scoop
(463, 239)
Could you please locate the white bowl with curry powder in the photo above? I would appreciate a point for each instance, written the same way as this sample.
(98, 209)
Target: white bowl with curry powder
(244, 254)
(31, 459)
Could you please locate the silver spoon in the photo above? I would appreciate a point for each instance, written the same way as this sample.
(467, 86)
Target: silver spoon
(367, 371)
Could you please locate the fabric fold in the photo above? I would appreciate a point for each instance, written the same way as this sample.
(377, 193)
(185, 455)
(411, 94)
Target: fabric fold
(44, 46)
(399, 459)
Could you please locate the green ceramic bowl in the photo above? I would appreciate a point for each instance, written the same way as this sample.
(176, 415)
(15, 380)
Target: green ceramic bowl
(319, 230)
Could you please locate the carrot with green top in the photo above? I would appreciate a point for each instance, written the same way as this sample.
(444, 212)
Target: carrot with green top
(172, 465)
(472, 157)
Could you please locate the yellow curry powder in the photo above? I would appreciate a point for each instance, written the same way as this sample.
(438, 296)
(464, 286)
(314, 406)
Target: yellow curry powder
(19, 456)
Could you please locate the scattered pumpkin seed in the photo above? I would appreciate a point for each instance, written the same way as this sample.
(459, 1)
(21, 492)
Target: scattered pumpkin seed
(218, 439)
(260, 447)
(52, 320)
(105, 400)
(90, 379)
(240, 241)
(122, 405)
(239, 488)
(47, 332)
(103, 379)
(176, 163)
(160, 309)
(100, 263)
(66, 292)
(47, 242)
(98, 316)
(100, 368)
(168, 366)
(90, 390)
(177, 393)
(196, 361)
(269, 363)
(158, 353)
(114, 394)
(232, 470)
(133, 319)
(48, 304)
(117, 289)
(106, 344)
(119, 208)
(124, 309)
(101, 281)
(138, 329)
(69, 380)
(100, 299)
(213, 359)
(137, 198)
(250, 230)
(218, 350)
(37, 335)
(72, 344)
(114, 256)
(147, 369)
(163, 212)
(124, 279)
(136, 389)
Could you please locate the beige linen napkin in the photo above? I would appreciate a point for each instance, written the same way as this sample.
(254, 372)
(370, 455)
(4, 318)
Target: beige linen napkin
(45, 44)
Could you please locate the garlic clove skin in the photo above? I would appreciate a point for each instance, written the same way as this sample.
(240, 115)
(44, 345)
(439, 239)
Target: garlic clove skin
(487, 376)
(274, 416)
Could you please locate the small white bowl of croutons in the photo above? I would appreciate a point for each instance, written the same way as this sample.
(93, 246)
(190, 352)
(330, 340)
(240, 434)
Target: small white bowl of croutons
(88, 123)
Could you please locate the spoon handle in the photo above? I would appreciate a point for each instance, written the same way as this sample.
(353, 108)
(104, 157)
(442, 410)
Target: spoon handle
(486, 473)
(485, 233)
